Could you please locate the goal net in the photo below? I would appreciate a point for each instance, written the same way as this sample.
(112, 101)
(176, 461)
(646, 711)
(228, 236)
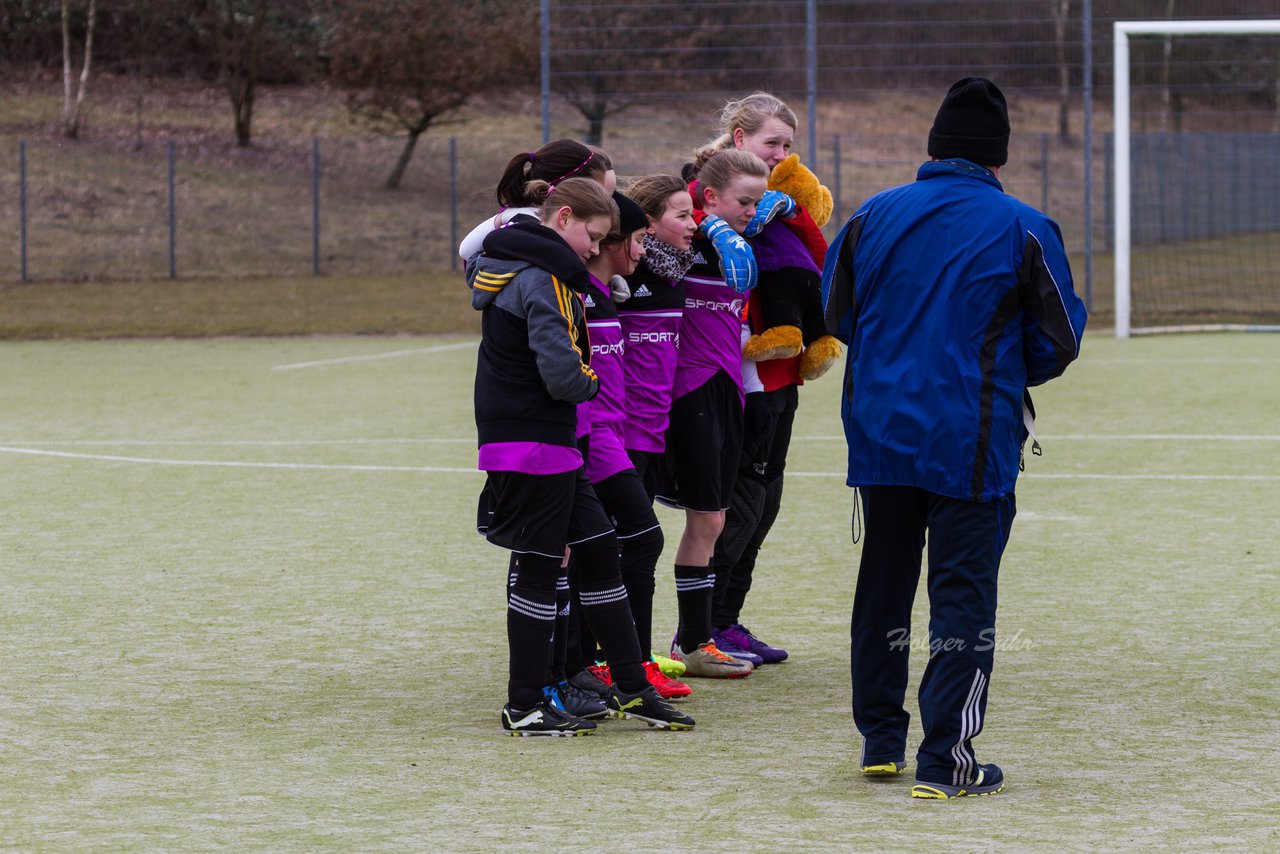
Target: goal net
(1196, 183)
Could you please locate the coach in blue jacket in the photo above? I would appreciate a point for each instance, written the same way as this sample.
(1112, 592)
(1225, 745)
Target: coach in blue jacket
(953, 299)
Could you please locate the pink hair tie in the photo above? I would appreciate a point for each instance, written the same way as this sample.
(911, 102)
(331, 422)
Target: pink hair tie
(590, 157)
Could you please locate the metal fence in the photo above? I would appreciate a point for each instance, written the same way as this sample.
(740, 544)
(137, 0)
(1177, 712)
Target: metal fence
(646, 79)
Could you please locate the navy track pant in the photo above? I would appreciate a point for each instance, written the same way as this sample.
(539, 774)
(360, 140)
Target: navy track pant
(966, 540)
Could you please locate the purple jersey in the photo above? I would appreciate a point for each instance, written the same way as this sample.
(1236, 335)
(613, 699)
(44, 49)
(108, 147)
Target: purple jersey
(606, 413)
(711, 328)
(651, 331)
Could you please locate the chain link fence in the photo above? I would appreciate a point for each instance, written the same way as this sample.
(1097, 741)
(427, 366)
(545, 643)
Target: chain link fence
(645, 80)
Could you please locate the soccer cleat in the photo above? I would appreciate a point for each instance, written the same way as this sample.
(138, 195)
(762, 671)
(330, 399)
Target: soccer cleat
(883, 769)
(667, 688)
(647, 706)
(728, 647)
(544, 719)
(575, 701)
(587, 681)
(707, 661)
(670, 666)
(742, 638)
(601, 672)
(990, 781)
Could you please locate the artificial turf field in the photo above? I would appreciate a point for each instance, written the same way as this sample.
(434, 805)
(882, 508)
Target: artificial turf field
(243, 606)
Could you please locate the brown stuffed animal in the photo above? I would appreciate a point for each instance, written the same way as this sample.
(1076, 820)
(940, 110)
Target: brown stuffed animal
(791, 316)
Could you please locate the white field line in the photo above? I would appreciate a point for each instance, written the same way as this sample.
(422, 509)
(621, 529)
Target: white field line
(35, 452)
(1115, 437)
(241, 443)
(1211, 360)
(371, 357)
(230, 463)
(1090, 476)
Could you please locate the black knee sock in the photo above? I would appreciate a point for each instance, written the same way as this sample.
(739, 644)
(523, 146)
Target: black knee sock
(513, 568)
(531, 620)
(640, 555)
(607, 611)
(560, 647)
(694, 587)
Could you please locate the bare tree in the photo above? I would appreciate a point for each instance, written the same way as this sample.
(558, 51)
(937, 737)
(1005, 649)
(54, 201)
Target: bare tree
(73, 108)
(603, 77)
(237, 37)
(407, 63)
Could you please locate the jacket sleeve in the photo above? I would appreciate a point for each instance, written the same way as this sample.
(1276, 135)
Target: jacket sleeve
(555, 318)
(839, 286)
(1053, 316)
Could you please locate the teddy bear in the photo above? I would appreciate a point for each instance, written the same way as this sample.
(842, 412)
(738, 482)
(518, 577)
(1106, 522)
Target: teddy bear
(788, 319)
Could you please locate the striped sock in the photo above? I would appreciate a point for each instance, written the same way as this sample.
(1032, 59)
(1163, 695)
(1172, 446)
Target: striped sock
(605, 606)
(531, 622)
(694, 586)
(560, 648)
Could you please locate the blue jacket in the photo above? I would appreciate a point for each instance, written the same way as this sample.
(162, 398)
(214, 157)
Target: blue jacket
(953, 299)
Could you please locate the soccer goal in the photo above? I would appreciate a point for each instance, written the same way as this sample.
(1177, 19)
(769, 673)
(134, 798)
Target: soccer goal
(1196, 181)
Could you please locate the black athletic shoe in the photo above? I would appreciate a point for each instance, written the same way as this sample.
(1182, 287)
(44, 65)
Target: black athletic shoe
(647, 706)
(588, 681)
(574, 701)
(544, 719)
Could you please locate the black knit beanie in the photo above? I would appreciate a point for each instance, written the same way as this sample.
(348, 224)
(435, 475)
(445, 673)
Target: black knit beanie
(631, 217)
(973, 123)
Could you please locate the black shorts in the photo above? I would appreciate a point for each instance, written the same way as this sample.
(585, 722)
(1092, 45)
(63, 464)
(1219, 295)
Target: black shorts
(653, 468)
(704, 443)
(627, 503)
(540, 513)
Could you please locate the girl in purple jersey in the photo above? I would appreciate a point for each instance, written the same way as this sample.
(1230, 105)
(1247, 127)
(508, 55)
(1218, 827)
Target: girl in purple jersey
(650, 318)
(650, 322)
(704, 438)
(603, 420)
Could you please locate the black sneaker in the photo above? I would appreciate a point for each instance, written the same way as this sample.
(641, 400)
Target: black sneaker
(587, 681)
(647, 706)
(544, 719)
(572, 700)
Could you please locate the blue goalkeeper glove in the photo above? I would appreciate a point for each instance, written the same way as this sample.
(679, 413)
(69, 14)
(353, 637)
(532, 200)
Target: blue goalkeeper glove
(737, 261)
(772, 204)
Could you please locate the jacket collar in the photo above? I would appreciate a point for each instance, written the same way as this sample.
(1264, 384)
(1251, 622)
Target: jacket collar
(535, 244)
(959, 167)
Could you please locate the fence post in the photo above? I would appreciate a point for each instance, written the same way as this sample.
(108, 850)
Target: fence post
(1086, 27)
(173, 213)
(835, 153)
(315, 205)
(453, 203)
(22, 203)
(1109, 185)
(811, 77)
(544, 64)
(1044, 172)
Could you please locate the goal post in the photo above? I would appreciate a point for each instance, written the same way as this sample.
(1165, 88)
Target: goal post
(1122, 176)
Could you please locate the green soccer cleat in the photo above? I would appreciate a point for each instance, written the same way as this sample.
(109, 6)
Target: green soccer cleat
(669, 666)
